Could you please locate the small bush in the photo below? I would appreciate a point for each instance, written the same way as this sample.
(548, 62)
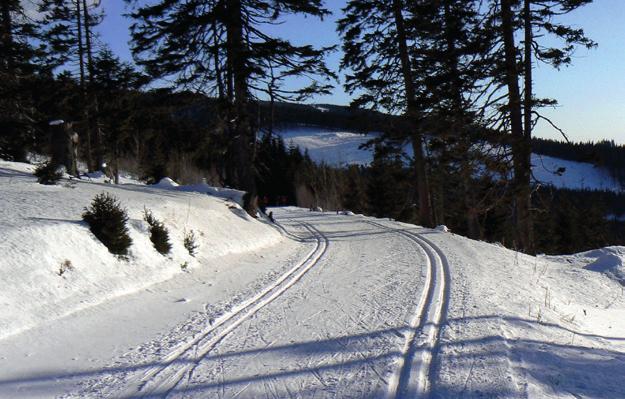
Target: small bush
(47, 173)
(107, 221)
(159, 235)
(190, 242)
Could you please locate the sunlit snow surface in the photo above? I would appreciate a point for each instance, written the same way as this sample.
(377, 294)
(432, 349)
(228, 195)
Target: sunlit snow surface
(340, 148)
(335, 147)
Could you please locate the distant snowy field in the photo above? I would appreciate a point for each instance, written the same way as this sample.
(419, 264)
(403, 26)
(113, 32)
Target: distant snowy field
(337, 147)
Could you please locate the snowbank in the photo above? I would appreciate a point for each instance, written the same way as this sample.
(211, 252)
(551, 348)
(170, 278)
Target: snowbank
(203, 188)
(41, 229)
(609, 261)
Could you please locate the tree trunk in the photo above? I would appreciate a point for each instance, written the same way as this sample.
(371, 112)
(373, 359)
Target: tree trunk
(423, 192)
(458, 122)
(83, 88)
(63, 144)
(93, 122)
(244, 138)
(218, 74)
(520, 160)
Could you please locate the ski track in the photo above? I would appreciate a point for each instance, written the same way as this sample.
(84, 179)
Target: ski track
(414, 373)
(180, 364)
(409, 373)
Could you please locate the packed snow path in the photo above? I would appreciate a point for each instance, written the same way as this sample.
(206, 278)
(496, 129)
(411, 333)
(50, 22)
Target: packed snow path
(358, 316)
(345, 306)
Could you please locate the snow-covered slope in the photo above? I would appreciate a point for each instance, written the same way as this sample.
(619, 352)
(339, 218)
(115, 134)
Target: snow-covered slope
(342, 148)
(41, 228)
(335, 147)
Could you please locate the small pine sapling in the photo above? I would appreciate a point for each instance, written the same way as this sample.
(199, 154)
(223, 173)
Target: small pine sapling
(107, 221)
(190, 242)
(159, 235)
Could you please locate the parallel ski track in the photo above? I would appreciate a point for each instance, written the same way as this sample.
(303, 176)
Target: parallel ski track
(415, 369)
(161, 380)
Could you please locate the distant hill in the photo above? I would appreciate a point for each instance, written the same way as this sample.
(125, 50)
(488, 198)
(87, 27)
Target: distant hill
(327, 118)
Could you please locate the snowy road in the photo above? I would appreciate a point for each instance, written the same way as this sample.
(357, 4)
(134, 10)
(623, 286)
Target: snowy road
(358, 316)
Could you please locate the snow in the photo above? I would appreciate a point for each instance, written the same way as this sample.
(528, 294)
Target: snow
(576, 175)
(340, 148)
(318, 305)
(42, 229)
(203, 188)
(330, 146)
(166, 182)
(609, 261)
(56, 122)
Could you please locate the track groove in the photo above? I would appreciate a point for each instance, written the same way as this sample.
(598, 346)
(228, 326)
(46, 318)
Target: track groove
(415, 369)
(160, 380)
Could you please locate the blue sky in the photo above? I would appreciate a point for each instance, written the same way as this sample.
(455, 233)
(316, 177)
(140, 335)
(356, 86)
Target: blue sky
(591, 92)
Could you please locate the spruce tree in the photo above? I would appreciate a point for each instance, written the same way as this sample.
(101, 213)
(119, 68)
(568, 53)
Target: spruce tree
(381, 52)
(20, 63)
(221, 47)
(533, 19)
(68, 31)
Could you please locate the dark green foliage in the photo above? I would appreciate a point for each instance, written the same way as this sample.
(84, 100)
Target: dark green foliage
(107, 221)
(387, 184)
(354, 198)
(159, 235)
(190, 242)
(47, 173)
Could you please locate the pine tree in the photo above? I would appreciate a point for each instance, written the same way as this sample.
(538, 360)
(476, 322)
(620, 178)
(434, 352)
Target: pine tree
(533, 19)
(221, 47)
(456, 46)
(381, 49)
(107, 221)
(118, 82)
(19, 67)
(386, 193)
(68, 31)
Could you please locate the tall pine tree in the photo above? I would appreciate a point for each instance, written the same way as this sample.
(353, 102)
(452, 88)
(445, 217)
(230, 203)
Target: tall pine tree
(532, 19)
(221, 47)
(20, 64)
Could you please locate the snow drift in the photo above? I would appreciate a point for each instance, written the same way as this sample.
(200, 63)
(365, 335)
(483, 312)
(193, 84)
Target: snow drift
(609, 261)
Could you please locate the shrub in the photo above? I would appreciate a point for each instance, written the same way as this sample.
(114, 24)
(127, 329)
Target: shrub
(107, 221)
(47, 173)
(159, 235)
(190, 242)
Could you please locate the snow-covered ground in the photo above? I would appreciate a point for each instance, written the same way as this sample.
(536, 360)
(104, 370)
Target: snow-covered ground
(319, 305)
(41, 229)
(342, 148)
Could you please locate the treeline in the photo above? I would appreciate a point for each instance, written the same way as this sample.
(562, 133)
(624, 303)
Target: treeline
(567, 221)
(454, 74)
